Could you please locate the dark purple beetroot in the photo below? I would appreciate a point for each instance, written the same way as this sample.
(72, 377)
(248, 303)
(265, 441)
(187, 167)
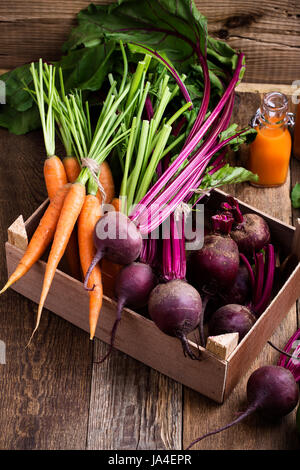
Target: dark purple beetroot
(251, 234)
(176, 309)
(271, 390)
(117, 239)
(216, 265)
(280, 393)
(133, 286)
(231, 318)
(240, 292)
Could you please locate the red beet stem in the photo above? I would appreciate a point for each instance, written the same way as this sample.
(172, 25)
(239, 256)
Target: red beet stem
(281, 351)
(260, 306)
(235, 209)
(249, 269)
(292, 364)
(222, 223)
(259, 277)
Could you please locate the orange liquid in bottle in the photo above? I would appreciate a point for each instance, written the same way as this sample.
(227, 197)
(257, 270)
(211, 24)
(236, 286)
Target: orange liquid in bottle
(270, 155)
(270, 152)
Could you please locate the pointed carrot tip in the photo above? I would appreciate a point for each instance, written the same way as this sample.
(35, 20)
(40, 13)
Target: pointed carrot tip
(30, 339)
(7, 285)
(92, 336)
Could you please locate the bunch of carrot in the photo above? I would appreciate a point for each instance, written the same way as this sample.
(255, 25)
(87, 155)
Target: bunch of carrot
(71, 202)
(78, 184)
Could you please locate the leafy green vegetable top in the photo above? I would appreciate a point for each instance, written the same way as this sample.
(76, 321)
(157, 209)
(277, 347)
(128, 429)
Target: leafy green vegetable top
(176, 29)
(168, 26)
(295, 196)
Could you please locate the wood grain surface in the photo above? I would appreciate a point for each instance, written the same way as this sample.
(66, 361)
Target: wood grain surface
(54, 395)
(266, 31)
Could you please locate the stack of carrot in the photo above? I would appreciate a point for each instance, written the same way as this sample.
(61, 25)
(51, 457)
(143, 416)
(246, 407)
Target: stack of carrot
(71, 203)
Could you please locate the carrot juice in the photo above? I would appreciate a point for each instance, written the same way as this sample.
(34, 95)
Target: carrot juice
(271, 150)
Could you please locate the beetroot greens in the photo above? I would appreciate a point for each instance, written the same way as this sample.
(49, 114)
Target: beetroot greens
(271, 390)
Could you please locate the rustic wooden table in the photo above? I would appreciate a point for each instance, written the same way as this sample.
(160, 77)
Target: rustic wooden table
(53, 395)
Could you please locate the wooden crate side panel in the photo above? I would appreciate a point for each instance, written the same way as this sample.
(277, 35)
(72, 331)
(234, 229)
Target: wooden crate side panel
(137, 336)
(255, 340)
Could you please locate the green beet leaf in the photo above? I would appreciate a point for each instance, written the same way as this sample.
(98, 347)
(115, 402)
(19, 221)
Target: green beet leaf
(295, 196)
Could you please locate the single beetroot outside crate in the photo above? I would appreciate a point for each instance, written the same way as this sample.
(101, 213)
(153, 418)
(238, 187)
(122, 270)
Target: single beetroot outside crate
(137, 335)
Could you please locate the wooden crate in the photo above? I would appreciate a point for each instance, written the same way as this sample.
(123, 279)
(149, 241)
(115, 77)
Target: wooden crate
(139, 337)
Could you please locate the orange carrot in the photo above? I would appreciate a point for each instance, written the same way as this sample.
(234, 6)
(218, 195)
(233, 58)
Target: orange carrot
(72, 168)
(41, 237)
(117, 204)
(72, 256)
(54, 174)
(109, 272)
(89, 216)
(106, 179)
(69, 213)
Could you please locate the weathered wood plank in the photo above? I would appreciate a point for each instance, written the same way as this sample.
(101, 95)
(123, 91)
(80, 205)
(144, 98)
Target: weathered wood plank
(45, 389)
(132, 406)
(201, 415)
(268, 32)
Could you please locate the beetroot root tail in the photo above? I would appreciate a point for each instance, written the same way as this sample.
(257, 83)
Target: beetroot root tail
(98, 256)
(113, 331)
(186, 347)
(242, 416)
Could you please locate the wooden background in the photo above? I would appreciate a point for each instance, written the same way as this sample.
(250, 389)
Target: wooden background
(54, 395)
(267, 31)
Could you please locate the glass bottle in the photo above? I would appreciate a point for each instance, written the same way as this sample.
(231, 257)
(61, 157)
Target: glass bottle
(271, 150)
(296, 145)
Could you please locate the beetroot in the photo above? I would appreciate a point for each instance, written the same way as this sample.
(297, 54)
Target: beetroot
(231, 318)
(271, 390)
(241, 289)
(216, 265)
(133, 286)
(252, 234)
(117, 239)
(176, 308)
